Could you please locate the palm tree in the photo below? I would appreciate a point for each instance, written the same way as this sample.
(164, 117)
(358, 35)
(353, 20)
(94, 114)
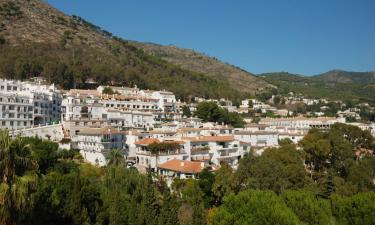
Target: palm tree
(115, 158)
(17, 178)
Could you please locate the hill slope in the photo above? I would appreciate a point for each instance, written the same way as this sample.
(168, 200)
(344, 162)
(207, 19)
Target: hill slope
(38, 40)
(191, 60)
(341, 76)
(321, 87)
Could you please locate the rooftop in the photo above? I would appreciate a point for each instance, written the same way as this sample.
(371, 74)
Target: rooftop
(100, 131)
(182, 166)
(210, 138)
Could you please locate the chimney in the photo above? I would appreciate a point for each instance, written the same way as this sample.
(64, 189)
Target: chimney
(202, 165)
(182, 163)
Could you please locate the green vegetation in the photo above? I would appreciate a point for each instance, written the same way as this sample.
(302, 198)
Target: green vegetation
(186, 111)
(69, 51)
(108, 90)
(210, 111)
(316, 87)
(40, 184)
(70, 67)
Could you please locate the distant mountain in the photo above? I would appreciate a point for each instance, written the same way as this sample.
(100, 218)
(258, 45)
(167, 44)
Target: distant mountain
(335, 85)
(341, 76)
(198, 62)
(38, 40)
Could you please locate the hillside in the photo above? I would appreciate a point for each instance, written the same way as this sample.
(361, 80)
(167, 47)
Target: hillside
(341, 76)
(38, 40)
(320, 87)
(189, 59)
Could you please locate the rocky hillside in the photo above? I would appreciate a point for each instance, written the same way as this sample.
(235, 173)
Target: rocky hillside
(38, 40)
(201, 63)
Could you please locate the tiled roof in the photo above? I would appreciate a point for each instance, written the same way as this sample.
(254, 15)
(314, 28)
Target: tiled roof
(182, 166)
(147, 141)
(210, 138)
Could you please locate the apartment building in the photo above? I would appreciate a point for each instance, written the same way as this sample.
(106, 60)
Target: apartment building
(95, 143)
(26, 104)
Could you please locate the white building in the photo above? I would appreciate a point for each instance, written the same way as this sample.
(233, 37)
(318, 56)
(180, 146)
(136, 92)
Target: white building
(146, 159)
(95, 143)
(216, 149)
(181, 169)
(258, 139)
(302, 122)
(25, 104)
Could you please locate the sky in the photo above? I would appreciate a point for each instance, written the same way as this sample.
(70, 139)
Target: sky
(298, 36)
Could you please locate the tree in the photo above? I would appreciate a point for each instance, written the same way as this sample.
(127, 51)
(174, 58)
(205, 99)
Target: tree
(206, 181)
(224, 182)
(210, 111)
(254, 207)
(108, 90)
(309, 208)
(43, 152)
(276, 169)
(18, 178)
(192, 197)
(115, 158)
(357, 209)
(186, 111)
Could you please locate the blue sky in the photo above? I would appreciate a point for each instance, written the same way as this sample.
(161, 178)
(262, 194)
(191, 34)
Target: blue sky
(298, 36)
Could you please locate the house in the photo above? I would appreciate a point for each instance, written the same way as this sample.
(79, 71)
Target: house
(145, 158)
(215, 149)
(95, 143)
(259, 139)
(182, 169)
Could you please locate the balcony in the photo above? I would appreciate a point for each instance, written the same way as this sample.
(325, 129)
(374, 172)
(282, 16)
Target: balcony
(148, 153)
(200, 150)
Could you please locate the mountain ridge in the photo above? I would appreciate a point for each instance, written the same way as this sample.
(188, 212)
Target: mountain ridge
(35, 33)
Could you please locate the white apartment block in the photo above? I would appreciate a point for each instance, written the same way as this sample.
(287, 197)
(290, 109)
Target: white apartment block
(302, 122)
(95, 143)
(145, 159)
(26, 104)
(206, 149)
(258, 139)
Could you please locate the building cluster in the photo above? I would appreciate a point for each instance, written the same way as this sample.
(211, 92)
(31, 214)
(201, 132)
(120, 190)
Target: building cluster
(27, 104)
(145, 126)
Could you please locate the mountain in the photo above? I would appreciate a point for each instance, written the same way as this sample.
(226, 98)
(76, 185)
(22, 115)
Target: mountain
(341, 76)
(38, 40)
(344, 86)
(198, 62)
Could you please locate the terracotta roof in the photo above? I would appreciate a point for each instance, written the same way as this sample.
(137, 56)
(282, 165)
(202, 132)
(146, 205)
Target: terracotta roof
(182, 166)
(210, 138)
(147, 141)
(186, 129)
